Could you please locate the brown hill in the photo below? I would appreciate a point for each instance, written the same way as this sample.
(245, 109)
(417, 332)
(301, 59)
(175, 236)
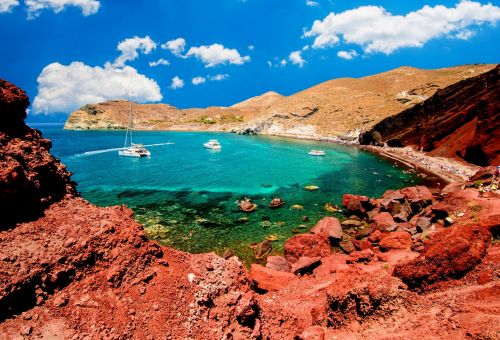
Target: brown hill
(459, 120)
(335, 108)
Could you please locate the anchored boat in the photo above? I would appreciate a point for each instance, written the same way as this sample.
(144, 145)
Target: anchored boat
(212, 144)
(317, 153)
(132, 149)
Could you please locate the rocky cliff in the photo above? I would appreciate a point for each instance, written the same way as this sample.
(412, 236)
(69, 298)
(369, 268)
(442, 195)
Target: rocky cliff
(461, 120)
(411, 263)
(30, 177)
(339, 107)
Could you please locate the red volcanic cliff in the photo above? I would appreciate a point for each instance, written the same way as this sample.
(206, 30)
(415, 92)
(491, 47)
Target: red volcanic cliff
(460, 120)
(30, 177)
(409, 264)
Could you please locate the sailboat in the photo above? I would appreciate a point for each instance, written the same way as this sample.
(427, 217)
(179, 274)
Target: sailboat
(132, 150)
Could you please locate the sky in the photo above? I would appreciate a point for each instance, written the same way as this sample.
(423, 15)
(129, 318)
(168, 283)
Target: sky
(198, 53)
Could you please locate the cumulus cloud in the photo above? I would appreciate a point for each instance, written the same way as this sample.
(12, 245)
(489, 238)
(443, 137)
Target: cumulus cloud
(63, 88)
(376, 30)
(175, 46)
(296, 58)
(347, 55)
(131, 47)
(218, 77)
(217, 54)
(87, 7)
(312, 3)
(177, 83)
(8, 5)
(198, 80)
(160, 61)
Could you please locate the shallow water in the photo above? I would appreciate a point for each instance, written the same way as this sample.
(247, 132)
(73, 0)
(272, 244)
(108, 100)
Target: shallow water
(185, 194)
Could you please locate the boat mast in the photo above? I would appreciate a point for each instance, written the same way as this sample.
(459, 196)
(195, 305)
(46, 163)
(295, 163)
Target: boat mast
(130, 122)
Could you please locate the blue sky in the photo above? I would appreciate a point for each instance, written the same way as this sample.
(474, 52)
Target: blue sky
(233, 49)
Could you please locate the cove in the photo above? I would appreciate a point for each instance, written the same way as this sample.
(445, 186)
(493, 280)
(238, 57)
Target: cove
(185, 195)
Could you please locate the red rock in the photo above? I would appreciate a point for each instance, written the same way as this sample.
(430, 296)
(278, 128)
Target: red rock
(396, 240)
(329, 227)
(332, 264)
(356, 204)
(360, 256)
(310, 245)
(305, 265)
(361, 244)
(451, 253)
(312, 333)
(278, 263)
(347, 246)
(268, 279)
(384, 221)
(375, 237)
(418, 196)
(13, 105)
(395, 257)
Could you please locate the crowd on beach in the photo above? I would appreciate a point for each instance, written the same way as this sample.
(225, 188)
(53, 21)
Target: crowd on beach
(433, 164)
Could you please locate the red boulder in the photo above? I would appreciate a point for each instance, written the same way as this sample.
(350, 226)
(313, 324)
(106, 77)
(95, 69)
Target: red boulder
(268, 279)
(310, 245)
(329, 227)
(396, 240)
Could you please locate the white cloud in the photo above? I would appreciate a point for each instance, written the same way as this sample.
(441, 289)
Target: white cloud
(87, 7)
(305, 48)
(198, 80)
(347, 55)
(218, 77)
(465, 34)
(312, 3)
(160, 61)
(269, 63)
(175, 46)
(8, 5)
(131, 47)
(296, 58)
(217, 54)
(63, 88)
(376, 30)
(177, 83)
(251, 47)
(283, 62)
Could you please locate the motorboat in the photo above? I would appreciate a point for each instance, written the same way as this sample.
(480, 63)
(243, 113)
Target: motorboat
(135, 150)
(131, 149)
(212, 144)
(317, 153)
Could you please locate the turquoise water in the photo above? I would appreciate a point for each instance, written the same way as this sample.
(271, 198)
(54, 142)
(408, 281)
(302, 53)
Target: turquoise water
(185, 194)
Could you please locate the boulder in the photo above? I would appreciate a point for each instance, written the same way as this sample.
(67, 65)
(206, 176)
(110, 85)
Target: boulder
(450, 254)
(351, 224)
(278, 263)
(384, 221)
(360, 256)
(267, 279)
(310, 245)
(332, 264)
(375, 237)
(347, 246)
(396, 240)
(356, 204)
(361, 244)
(329, 227)
(305, 265)
(418, 196)
(396, 204)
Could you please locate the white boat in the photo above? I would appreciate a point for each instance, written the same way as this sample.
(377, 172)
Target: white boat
(317, 153)
(212, 144)
(130, 149)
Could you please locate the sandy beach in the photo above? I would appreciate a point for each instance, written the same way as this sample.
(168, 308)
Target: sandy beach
(448, 169)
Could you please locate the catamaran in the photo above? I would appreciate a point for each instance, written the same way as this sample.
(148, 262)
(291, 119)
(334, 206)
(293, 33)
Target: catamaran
(132, 149)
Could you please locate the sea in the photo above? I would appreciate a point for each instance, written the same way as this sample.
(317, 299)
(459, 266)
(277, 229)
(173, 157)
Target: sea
(185, 195)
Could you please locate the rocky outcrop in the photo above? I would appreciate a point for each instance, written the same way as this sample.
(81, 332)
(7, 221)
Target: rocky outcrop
(30, 177)
(460, 120)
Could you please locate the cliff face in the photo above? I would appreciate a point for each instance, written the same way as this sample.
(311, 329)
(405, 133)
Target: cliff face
(460, 120)
(338, 107)
(30, 177)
